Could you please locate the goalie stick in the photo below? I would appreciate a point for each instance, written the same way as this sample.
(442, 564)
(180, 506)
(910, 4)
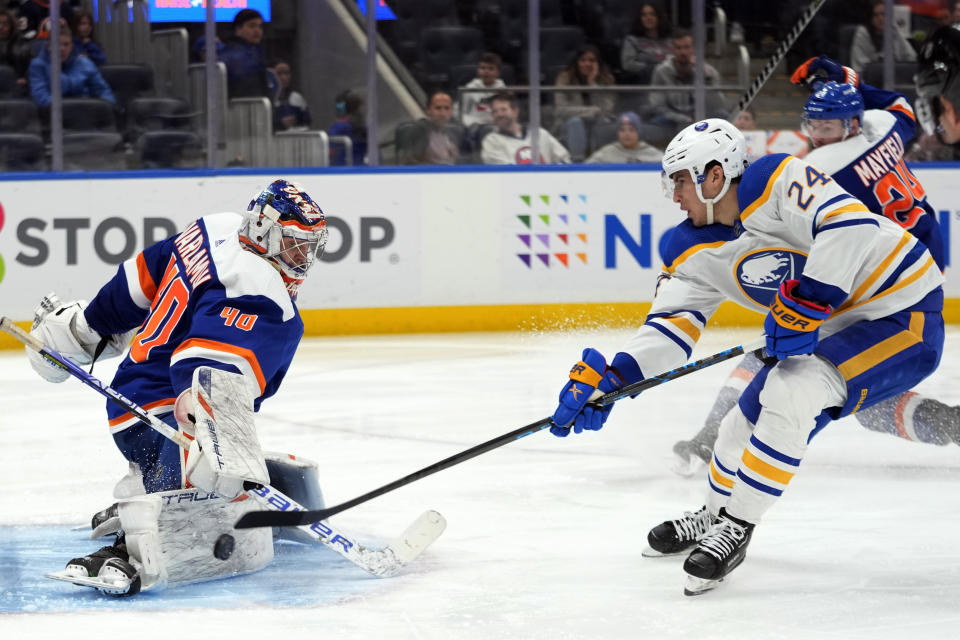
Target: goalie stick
(379, 562)
(289, 518)
(777, 56)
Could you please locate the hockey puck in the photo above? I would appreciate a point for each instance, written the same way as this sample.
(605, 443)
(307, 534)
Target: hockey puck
(223, 547)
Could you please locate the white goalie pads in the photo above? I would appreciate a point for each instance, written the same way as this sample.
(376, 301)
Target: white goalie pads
(63, 328)
(226, 452)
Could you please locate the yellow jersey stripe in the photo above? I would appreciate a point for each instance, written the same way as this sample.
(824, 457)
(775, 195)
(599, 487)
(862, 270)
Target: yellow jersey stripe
(850, 208)
(888, 348)
(916, 275)
(683, 324)
(765, 469)
(720, 479)
(746, 213)
(689, 252)
(878, 271)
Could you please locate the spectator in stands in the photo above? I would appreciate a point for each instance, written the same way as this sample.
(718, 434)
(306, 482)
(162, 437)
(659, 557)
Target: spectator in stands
(350, 123)
(32, 14)
(243, 56)
(746, 120)
(867, 44)
(578, 113)
(289, 107)
(476, 106)
(628, 147)
(510, 142)
(647, 44)
(199, 49)
(84, 42)
(14, 50)
(673, 110)
(79, 77)
(437, 139)
(955, 15)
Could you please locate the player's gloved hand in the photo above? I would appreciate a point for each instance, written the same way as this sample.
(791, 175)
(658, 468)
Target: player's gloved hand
(812, 73)
(588, 375)
(63, 328)
(793, 324)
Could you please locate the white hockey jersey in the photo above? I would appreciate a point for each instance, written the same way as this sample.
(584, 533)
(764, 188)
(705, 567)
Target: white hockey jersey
(795, 223)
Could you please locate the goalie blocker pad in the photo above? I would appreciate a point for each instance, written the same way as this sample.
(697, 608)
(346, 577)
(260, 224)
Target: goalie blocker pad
(225, 432)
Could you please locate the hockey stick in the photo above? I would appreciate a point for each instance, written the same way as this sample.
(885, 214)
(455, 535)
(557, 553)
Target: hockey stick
(290, 518)
(775, 59)
(380, 562)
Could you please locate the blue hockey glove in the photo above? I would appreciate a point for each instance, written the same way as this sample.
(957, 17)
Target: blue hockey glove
(588, 375)
(793, 324)
(809, 73)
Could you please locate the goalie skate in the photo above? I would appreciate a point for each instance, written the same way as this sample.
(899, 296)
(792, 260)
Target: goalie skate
(106, 570)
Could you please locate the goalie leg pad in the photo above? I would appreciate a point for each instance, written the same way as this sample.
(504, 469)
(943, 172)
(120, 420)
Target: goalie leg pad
(225, 434)
(187, 535)
(297, 479)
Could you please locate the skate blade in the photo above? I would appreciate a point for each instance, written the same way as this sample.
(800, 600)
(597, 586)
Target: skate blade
(696, 586)
(650, 552)
(116, 587)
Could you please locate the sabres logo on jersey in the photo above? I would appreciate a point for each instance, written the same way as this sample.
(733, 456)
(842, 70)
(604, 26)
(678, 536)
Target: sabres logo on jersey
(759, 273)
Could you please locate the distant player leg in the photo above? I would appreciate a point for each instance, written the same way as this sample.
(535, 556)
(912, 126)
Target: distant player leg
(914, 417)
(692, 454)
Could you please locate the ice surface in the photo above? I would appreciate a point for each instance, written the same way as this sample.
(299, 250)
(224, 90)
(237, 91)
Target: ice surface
(544, 534)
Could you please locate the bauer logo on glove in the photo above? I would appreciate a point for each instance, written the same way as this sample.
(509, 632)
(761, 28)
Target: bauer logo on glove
(586, 377)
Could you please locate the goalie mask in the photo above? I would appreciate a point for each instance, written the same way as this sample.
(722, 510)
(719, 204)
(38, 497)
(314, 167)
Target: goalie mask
(286, 227)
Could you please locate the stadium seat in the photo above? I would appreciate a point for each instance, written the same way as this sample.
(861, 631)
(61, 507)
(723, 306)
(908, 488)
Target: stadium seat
(21, 152)
(128, 81)
(442, 48)
(169, 150)
(88, 114)
(8, 81)
(156, 114)
(405, 137)
(19, 115)
(93, 151)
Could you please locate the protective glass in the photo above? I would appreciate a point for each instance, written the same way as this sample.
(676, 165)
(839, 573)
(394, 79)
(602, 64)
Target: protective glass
(826, 129)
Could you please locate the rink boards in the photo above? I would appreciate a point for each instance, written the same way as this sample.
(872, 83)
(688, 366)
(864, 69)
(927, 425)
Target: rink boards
(422, 250)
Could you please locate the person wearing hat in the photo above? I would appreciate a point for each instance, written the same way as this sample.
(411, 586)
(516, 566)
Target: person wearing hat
(243, 55)
(628, 147)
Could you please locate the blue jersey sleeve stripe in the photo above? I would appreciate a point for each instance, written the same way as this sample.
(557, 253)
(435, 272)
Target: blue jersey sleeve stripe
(915, 254)
(696, 314)
(846, 223)
(680, 343)
(834, 200)
(773, 453)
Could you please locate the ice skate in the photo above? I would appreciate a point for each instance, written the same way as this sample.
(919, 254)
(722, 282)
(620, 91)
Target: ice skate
(676, 536)
(692, 456)
(718, 553)
(107, 570)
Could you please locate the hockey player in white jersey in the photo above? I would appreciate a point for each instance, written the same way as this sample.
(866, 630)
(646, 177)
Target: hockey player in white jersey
(860, 322)
(216, 323)
(858, 133)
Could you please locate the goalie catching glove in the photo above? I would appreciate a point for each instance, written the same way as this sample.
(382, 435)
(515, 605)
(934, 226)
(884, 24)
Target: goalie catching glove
(816, 71)
(63, 328)
(586, 376)
(793, 323)
(218, 410)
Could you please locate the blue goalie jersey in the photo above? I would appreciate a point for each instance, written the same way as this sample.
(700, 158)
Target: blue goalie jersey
(199, 300)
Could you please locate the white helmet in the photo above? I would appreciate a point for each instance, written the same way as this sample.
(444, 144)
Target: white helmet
(697, 146)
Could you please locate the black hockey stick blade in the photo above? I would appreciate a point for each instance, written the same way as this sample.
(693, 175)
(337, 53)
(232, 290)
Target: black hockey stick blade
(253, 519)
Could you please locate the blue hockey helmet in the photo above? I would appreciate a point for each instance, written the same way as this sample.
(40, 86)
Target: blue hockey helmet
(286, 227)
(833, 101)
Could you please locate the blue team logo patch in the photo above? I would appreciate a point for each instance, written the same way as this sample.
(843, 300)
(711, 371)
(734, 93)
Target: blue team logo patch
(700, 126)
(760, 273)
